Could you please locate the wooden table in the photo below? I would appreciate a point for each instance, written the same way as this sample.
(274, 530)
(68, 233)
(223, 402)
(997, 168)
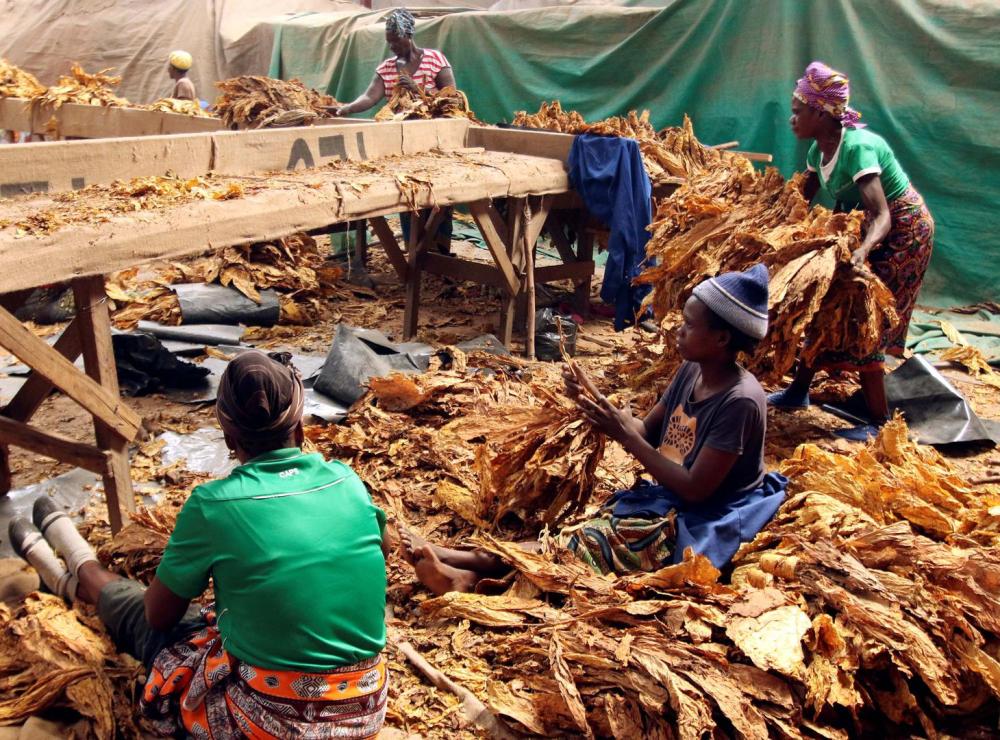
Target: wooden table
(294, 180)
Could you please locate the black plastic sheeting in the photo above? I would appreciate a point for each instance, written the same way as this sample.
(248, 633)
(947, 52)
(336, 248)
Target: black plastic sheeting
(146, 366)
(935, 412)
(548, 325)
(209, 303)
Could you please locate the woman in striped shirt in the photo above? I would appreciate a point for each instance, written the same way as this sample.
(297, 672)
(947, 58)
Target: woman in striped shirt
(410, 66)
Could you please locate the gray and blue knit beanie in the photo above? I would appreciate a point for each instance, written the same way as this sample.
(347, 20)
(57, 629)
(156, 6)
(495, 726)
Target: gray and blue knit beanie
(739, 299)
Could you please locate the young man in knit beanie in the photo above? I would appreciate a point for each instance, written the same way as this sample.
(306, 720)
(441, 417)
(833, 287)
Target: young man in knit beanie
(702, 443)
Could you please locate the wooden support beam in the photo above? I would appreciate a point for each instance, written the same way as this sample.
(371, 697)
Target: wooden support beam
(397, 258)
(490, 225)
(55, 446)
(411, 310)
(575, 271)
(44, 360)
(99, 359)
(461, 269)
(557, 234)
(536, 213)
(37, 387)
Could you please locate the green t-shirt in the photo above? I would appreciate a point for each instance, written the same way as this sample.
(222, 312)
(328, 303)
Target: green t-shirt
(860, 153)
(293, 545)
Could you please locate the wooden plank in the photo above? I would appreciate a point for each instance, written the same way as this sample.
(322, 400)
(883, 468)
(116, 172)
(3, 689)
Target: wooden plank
(52, 445)
(37, 387)
(485, 217)
(575, 271)
(756, 156)
(71, 165)
(462, 269)
(522, 141)
(397, 258)
(44, 360)
(99, 359)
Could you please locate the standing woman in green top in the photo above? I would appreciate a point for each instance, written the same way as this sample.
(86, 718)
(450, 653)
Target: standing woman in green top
(857, 169)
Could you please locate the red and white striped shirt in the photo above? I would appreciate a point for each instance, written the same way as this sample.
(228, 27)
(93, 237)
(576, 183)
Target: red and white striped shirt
(432, 62)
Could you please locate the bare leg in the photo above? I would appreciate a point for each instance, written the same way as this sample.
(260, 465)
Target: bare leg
(442, 578)
(483, 563)
(93, 577)
(873, 389)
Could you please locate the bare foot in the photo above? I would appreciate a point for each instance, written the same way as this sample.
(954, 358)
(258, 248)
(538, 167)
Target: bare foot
(439, 577)
(412, 544)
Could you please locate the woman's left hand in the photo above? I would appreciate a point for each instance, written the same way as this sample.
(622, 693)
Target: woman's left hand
(619, 424)
(860, 256)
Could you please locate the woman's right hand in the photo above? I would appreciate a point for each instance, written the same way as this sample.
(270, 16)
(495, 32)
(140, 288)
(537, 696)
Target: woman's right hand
(573, 388)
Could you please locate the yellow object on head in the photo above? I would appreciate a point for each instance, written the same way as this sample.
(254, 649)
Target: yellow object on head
(181, 60)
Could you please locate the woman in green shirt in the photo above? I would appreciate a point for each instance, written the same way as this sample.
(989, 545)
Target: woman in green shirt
(857, 169)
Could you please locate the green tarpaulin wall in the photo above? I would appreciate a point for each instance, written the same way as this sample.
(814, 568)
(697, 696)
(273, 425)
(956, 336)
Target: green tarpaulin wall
(924, 74)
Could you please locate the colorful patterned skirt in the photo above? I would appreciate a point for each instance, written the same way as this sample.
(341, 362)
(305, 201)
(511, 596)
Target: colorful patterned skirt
(900, 261)
(611, 544)
(196, 687)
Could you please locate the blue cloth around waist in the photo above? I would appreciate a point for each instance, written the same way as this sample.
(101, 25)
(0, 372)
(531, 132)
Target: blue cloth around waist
(715, 528)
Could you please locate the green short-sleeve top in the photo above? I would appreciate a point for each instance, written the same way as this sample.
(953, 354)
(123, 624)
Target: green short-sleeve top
(293, 546)
(859, 153)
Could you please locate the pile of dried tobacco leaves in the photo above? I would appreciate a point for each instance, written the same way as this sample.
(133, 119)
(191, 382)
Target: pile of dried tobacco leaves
(17, 83)
(667, 155)
(867, 606)
(293, 266)
(728, 216)
(410, 105)
(250, 101)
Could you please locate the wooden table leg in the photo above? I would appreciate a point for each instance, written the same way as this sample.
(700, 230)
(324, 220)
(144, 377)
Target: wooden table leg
(98, 356)
(584, 253)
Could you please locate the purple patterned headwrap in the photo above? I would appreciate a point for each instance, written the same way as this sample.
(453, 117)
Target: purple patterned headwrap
(828, 90)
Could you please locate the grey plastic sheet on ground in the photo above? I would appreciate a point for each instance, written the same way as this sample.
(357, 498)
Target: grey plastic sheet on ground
(209, 303)
(203, 334)
(936, 413)
(356, 355)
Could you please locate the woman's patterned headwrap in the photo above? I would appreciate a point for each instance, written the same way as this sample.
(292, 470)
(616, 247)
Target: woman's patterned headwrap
(828, 90)
(401, 22)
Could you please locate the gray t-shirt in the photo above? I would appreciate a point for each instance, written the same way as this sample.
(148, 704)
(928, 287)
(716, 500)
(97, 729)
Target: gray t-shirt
(733, 420)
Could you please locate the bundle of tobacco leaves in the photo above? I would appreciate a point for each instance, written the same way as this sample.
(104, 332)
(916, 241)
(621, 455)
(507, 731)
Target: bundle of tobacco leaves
(17, 83)
(728, 217)
(53, 657)
(83, 88)
(408, 105)
(250, 101)
(181, 107)
(292, 265)
(539, 463)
